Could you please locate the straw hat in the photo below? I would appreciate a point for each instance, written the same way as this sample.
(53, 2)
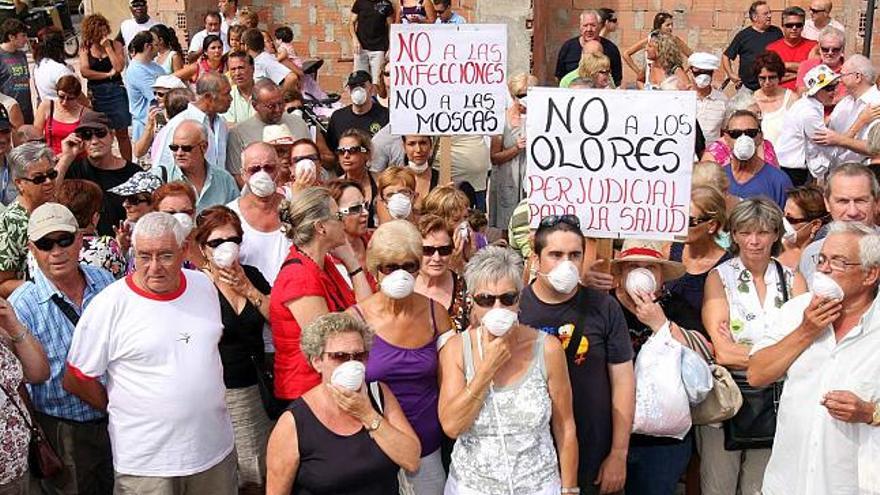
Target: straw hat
(641, 250)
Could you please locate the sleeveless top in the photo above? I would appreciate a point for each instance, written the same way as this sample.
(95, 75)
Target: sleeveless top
(413, 10)
(523, 458)
(690, 286)
(55, 131)
(411, 374)
(102, 64)
(332, 464)
(750, 318)
(771, 122)
(167, 63)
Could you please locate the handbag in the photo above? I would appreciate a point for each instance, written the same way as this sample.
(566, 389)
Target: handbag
(266, 386)
(725, 399)
(43, 461)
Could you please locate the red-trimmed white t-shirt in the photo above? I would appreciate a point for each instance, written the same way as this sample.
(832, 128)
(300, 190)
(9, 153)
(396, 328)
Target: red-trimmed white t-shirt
(165, 388)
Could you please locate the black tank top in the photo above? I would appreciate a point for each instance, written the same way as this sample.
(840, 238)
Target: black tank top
(102, 65)
(331, 464)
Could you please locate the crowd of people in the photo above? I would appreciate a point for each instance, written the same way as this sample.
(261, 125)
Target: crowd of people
(206, 287)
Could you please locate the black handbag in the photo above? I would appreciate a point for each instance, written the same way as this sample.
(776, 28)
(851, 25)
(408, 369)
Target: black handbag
(754, 425)
(266, 383)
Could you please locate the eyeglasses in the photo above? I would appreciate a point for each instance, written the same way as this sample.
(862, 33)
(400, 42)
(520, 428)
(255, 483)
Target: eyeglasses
(164, 259)
(830, 88)
(40, 178)
(604, 72)
(816, 11)
(215, 243)
(442, 250)
(795, 220)
(836, 264)
(697, 221)
(736, 133)
(160, 94)
(554, 220)
(830, 49)
(768, 78)
(269, 169)
(47, 243)
(386, 74)
(698, 72)
(794, 25)
(136, 199)
(186, 148)
(314, 158)
(355, 209)
(342, 357)
(409, 267)
(273, 106)
(488, 300)
(521, 96)
(86, 134)
(350, 149)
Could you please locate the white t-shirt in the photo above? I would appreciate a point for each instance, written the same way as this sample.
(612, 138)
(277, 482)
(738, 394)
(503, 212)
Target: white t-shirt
(165, 387)
(46, 75)
(130, 28)
(195, 44)
(266, 65)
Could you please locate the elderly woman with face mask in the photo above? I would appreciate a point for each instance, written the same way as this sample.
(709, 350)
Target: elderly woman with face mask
(436, 279)
(805, 218)
(505, 393)
(338, 437)
(404, 354)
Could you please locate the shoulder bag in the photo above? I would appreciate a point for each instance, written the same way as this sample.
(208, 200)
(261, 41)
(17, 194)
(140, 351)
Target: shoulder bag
(725, 399)
(43, 461)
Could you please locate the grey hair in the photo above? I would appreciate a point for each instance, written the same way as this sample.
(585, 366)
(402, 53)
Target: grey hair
(26, 154)
(314, 336)
(742, 100)
(301, 215)
(493, 264)
(869, 241)
(760, 212)
(593, 13)
(873, 140)
(158, 224)
(833, 32)
(582, 82)
(860, 64)
(853, 169)
(263, 84)
(210, 82)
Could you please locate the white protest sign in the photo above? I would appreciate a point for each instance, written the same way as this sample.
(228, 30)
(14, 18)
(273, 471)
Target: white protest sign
(448, 79)
(620, 161)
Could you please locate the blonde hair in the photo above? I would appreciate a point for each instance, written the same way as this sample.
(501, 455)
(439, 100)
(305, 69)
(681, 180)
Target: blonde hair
(711, 201)
(300, 216)
(396, 241)
(709, 174)
(668, 54)
(519, 83)
(592, 63)
(314, 336)
(445, 202)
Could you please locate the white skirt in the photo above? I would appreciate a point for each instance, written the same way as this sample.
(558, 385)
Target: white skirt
(453, 488)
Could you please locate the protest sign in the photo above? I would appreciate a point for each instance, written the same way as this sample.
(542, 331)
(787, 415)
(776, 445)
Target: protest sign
(620, 161)
(448, 79)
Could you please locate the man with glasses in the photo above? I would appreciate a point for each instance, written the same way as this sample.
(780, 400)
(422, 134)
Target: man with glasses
(153, 337)
(268, 103)
(711, 103)
(445, 14)
(748, 44)
(139, 77)
(829, 51)
(87, 154)
(598, 351)
(793, 48)
(800, 157)
(826, 350)
(749, 175)
(49, 306)
(820, 18)
(363, 113)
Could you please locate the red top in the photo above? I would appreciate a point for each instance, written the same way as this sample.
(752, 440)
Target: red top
(55, 131)
(789, 53)
(300, 277)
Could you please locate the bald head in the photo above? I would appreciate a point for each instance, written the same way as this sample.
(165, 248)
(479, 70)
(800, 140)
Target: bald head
(259, 155)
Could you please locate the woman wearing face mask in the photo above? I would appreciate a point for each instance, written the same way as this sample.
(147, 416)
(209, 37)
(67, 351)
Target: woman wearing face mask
(178, 199)
(354, 152)
(354, 208)
(805, 220)
(404, 354)
(419, 150)
(721, 151)
(343, 435)
(244, 308)
(397, 193)
(305, 168)
(436, 280)
(309, 285)
(450, 204)
(505, 393)
(742, 300)
(772, 99)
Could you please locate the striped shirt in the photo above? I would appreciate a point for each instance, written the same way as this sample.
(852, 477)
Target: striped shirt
(33, 305)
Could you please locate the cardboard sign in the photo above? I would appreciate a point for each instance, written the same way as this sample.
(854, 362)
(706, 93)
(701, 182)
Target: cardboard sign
(619, 160)
(448, 79)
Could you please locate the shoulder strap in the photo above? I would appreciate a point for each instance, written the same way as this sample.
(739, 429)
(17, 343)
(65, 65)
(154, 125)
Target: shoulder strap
(467, 356)
(780, 274)
(578, 331)
(360, 314)
(48, 133)
(433, 319)
(66, 308)
(24, 417)
(377, 397)
(291, 261)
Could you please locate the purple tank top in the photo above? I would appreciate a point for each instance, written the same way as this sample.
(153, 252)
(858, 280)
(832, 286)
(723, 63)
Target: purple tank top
(411, 374)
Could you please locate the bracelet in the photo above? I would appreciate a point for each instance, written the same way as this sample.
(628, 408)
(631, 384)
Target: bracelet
(256, 300)
(17, 339)
(470, 393)
(574, 490)
(354, 272)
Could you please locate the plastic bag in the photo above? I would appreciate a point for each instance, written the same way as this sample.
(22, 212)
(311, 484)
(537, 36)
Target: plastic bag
(695, 375)
(662, 407)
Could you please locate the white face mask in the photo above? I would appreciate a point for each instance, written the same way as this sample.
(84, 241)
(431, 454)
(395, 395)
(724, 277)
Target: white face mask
(522, 101)
(358, 95)
(398, 284)
(415, 167)
(399, 206)
(185, 221)
(640, 281)
(790, 235)
(464, 230)
(349, 375)
(499, 321)
(262, 184)
(744, 148)
(703, 81)
(225, 254)
(564, 278)
(823, 285)
(304, 166)
(297, 112)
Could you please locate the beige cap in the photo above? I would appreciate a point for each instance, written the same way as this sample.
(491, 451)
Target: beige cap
(48, 218)
(277, 134)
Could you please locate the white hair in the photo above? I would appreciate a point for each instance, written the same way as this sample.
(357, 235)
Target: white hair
(493, 264)
(860, 64)
(833, 32)
(157, 224)
(594, 13)
(869, 241)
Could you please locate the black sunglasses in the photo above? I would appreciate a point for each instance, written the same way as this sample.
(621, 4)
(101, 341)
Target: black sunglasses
(215, 243)
(350, 149)
(47, 243)
(186, 148)
(830, 88)
(793, 25)
(488, 300)
(86, 134)
(696, 221)
(554, 220)
(736, 133)
(40, 178)
(356, 209)
(159, 94)
(314, 158)
(348, 356)
(817, 11)
(830, 49)
(409, 267)
(136, 199)
(443, 250)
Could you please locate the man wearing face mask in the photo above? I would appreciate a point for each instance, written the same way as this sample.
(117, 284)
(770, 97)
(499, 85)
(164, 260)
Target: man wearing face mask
(711, 103)
(363, 113)
(748, 174)
(598, 350)
(826, 346)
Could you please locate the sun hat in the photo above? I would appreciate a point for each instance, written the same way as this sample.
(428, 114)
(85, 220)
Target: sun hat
(641, 250)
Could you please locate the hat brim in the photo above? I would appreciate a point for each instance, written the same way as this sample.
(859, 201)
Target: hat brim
(671, 270)
(815, 89)
(41, 232)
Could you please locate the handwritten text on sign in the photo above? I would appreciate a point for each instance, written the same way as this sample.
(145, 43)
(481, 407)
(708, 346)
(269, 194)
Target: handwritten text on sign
(448, 79)
(619, 160)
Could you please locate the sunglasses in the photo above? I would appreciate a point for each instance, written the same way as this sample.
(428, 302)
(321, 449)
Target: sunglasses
(215, 243)
(355, 209)
(40, 178)
(342, 357)
(696, 221)
(794, 25)
(830, 88)
(136, 199)
(698, 72)
(350, 149)
(186, 148)
(314, 158)
(736, 133)
(86, 134)
(269, 169)
(554, 220)
(47, 243)
(409, 267)
(442, 250)
(830, 49)
(768, 78)
(488, 300)
(794, 220)
(817, 11)
(521, 96)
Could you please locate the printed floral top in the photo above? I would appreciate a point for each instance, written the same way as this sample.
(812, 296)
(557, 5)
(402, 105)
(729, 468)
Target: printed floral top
(460, 309)
(103, 252)
(13, 240)
(749, 317)
(14, 434)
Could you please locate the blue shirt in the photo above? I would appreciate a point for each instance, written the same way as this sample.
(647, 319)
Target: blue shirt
(453, 19)
(769, 181)
(139, 78)
(219, 188)
(32, 302)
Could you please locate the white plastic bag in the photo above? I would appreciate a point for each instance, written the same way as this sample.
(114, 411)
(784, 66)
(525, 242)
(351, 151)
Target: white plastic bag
(695, 375)
(662, 407)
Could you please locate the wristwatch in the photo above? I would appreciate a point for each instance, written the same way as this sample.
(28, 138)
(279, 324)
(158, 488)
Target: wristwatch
(374, 425)
(875, 419)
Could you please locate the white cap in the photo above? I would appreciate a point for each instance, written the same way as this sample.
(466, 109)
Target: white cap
(168, 82)
(277, 134)
(48, 218)
(818, 77)
(704, 61)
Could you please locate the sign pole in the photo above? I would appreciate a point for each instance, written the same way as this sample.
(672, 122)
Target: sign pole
(445, 160)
